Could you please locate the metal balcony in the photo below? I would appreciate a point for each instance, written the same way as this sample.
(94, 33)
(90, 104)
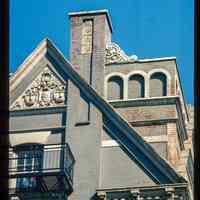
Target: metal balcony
(47, 169)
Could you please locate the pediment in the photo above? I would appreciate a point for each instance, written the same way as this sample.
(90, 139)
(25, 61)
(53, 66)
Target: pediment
(46, 90)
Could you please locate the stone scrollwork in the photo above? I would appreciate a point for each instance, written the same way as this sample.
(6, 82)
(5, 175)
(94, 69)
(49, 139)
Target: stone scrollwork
(46, 90)
(114, 54)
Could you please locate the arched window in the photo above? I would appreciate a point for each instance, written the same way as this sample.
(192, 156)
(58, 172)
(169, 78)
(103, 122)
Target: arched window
(29, 159)
(158, 85)
(136, 86)
(115, 88)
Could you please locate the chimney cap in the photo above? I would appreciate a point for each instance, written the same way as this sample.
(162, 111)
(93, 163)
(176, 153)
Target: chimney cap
(93, 12)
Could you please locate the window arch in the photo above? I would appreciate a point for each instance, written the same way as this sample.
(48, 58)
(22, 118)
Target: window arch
(158, 84)
(115, 86)
(136, 86)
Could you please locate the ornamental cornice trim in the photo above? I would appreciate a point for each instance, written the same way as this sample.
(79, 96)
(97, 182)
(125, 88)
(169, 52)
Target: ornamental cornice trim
(144, 102)
(114, 54)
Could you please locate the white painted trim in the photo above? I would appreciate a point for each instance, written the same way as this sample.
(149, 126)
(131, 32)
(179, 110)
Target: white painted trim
(28, 63)
(161, 71)
(157, 59)
(53, 147)
(176, 84)
(135, 72)
(156, 138)
(22, 75)
(109, 143)
(125, 88)
(146, 80)
(88, 12)
(149, 139)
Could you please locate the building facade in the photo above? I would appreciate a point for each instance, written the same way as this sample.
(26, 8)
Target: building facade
(101, 125)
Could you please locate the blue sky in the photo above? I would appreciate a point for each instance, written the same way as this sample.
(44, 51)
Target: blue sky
(149, 29)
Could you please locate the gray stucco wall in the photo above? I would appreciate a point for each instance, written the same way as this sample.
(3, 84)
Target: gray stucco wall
(118, 170)
(84, 141)
(38, 121)
(37, 137)
(148, 132)
(85, 122)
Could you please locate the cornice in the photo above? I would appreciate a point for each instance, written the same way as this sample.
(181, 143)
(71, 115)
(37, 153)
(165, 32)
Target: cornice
(176, 185)
(38, 111)
(163, 59)
(53, 128)
(153, 101)
(153, 122)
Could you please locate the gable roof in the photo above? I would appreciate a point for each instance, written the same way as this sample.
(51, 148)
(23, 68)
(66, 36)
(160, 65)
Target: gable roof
(140, 150)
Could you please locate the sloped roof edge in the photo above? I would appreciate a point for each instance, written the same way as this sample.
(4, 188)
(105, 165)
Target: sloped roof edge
(109, 112)
(40, 50)
(47, 47)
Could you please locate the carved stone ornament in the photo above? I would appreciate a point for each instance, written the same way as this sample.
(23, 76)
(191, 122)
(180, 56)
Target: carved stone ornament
(46, 90)
(114, 54)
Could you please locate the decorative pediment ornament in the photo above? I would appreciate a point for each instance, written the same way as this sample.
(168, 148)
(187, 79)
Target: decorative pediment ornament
(46, 90)
(114, 54)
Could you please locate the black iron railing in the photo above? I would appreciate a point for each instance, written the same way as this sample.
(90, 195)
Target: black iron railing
(48, 160)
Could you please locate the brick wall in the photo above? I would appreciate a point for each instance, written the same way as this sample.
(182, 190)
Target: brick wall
(142, 113)
(151, 130)
(173, 144)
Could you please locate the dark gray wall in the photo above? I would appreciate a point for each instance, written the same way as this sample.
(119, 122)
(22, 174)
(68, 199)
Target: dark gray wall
(39, 121)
